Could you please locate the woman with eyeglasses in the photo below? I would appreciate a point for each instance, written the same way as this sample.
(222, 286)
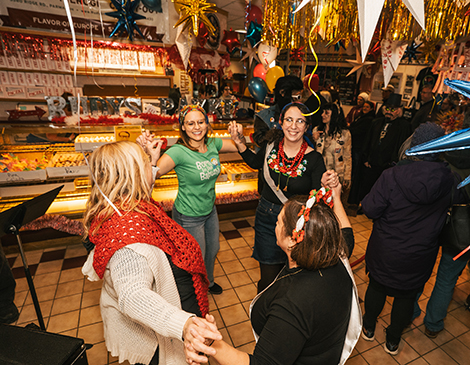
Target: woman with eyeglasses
(333, 142)
(290, 167)
(195, 159)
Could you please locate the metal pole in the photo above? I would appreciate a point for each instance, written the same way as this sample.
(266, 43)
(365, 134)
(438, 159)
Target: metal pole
(32, 290)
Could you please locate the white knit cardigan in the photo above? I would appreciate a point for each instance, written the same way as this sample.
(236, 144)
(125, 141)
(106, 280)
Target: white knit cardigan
(140, 306)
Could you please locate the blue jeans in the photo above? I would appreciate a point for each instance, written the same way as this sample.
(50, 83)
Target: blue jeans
(266, 251)
(447, 276)
(205, 231)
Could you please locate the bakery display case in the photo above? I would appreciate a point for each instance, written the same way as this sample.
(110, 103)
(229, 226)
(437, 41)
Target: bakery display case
(35, 158)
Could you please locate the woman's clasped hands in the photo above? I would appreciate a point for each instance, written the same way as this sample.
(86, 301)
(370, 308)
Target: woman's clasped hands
(199, 334)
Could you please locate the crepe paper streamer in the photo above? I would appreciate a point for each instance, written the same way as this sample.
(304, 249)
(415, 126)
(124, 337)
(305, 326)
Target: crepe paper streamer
(462, 253)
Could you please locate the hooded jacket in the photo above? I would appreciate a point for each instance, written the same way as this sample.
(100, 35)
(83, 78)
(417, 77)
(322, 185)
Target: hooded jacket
(408, 204)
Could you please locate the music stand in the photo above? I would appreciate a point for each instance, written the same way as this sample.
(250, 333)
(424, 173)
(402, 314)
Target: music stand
(13, 219)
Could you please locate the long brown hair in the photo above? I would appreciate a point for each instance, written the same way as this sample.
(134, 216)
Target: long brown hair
(184, 138)
(323, 242)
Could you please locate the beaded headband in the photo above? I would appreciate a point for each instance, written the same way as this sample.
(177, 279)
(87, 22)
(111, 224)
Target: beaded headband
(304, 214)
(190, 108)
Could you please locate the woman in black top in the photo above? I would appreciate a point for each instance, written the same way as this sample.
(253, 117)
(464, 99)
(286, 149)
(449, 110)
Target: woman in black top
(290, 167)
(310, 315)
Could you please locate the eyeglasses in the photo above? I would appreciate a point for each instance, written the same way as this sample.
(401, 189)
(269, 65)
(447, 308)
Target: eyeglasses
(227, 89)
(193, 123)
(390, 108)
(299, 122)
(296, 97)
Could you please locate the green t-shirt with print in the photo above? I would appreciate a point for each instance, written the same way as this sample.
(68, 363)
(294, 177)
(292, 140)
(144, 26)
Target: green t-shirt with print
(197, 173)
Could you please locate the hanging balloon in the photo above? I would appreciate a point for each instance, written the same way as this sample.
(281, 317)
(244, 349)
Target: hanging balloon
(267, 54)
(314, 82)
(258, 89)
(254, 14)
(202, 34)
(253, 34)
(177, 6)
(230, 40)
(273, 74)
(155, 5)
(260, 71)
(247, 92)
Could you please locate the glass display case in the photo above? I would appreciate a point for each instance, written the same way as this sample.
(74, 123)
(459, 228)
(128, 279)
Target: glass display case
(39, 156)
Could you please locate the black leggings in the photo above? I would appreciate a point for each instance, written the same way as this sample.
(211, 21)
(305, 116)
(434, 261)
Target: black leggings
(154, 360)
(268, 274)
(402, 308)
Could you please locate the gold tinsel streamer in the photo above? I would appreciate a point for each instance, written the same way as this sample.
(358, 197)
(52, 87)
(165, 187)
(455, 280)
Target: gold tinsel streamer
(445, 21)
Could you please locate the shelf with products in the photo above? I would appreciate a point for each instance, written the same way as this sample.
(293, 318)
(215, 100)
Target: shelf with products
(61, 163)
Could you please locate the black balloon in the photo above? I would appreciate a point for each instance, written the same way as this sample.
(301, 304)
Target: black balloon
(155, 5)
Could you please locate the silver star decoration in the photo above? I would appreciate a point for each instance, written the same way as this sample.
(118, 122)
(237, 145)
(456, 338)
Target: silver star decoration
(251, 53)
(358, 65)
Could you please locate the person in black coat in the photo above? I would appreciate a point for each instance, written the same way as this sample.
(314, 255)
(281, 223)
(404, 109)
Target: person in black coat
(383, 142)
(408, 204)
(359, 129)
(428, 110)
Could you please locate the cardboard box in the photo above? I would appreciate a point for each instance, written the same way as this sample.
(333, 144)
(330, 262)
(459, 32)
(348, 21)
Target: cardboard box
(35, 93)
(21, 78)
(15, 92)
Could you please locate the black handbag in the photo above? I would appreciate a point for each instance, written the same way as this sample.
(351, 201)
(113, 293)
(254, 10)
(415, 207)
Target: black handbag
(455, 236)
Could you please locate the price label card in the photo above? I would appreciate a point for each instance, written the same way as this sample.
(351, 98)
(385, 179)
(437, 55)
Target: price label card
(127, 132)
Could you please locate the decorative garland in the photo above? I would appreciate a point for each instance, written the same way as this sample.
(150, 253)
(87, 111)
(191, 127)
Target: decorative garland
(57, 222)
(142, 118)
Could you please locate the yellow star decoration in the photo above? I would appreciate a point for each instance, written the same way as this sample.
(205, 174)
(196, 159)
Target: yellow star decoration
(193, 12)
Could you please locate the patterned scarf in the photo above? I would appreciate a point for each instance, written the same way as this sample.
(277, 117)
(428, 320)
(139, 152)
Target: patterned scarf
(156, 229)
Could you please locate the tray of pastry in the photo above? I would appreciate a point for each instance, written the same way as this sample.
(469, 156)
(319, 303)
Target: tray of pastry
(67, 164)
(22, 167)
(90, 142)
(240, 171)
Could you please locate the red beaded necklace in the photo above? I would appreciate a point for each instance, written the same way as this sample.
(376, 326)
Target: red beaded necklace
(286, 167)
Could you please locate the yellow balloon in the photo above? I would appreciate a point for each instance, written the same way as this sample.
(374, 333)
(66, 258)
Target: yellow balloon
(247, 92)
(177, 7)
(273, 74)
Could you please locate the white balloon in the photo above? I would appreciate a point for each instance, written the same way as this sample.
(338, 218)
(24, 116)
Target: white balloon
(267, 54)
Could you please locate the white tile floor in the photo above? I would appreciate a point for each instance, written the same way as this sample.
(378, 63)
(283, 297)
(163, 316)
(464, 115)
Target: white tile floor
(70, 304)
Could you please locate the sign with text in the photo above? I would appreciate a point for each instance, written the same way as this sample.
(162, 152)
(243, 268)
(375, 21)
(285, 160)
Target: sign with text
(127, 132)
(51, 15)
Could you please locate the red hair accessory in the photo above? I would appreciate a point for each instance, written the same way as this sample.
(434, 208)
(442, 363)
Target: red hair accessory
(304, 215)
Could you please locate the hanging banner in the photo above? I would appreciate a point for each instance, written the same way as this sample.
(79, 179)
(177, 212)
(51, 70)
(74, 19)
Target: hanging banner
(50, 15)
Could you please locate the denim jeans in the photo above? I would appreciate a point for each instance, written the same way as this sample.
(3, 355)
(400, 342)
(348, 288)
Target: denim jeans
(447, 275)
(205, 231)
(266, 251)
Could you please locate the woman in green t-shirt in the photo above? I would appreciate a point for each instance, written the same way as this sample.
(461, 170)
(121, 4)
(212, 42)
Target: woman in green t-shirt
(195, 159)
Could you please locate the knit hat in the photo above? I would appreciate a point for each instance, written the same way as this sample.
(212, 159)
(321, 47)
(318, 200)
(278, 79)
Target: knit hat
(424, 133)
(364, 95)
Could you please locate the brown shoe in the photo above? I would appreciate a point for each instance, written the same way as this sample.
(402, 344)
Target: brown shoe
(431, 334)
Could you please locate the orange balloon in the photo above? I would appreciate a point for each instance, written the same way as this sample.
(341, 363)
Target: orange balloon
(259, 71)
(273, 74)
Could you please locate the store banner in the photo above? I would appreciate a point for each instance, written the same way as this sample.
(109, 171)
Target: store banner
(50, 15)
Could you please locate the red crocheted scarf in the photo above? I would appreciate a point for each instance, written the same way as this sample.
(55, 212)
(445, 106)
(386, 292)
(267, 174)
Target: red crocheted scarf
(155, 229)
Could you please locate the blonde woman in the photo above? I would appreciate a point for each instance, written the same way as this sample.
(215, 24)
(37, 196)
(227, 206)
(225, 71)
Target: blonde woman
(154, 279)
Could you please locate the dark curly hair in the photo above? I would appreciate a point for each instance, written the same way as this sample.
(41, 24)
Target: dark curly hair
(275, 134)
(337, 122)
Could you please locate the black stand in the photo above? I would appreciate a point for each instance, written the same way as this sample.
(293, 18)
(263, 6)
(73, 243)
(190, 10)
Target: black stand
(13, 219)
